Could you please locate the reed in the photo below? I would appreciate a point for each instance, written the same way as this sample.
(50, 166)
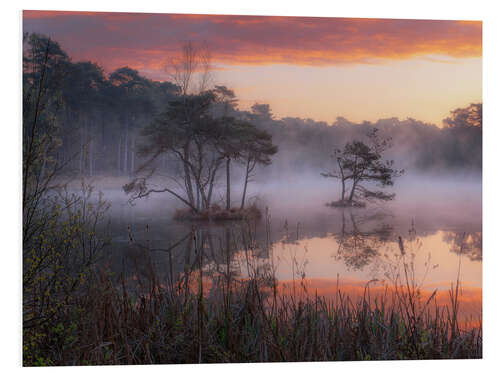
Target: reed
(217, 318)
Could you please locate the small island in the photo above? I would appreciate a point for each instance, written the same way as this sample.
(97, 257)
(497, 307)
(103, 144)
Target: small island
(216, 213)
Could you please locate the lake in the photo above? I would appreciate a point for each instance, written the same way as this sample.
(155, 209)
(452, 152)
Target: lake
(433, 226)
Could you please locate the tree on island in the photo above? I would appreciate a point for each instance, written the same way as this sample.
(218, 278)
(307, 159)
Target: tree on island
(360, 164)
(199, 133)
(187, 133)
(200, 146)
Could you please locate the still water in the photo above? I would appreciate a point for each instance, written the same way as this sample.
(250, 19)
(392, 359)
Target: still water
(301, 240)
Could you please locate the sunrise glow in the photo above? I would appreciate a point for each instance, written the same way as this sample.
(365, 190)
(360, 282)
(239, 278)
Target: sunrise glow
(319, 68)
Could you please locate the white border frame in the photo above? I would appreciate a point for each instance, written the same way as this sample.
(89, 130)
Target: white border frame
(424, 9)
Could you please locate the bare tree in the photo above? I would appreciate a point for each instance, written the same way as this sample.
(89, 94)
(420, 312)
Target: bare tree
(191, 71)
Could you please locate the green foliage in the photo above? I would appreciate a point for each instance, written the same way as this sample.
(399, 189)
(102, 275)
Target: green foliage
(58, 262)
(61, 242)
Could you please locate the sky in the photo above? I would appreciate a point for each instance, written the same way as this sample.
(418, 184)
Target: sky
(308, 67)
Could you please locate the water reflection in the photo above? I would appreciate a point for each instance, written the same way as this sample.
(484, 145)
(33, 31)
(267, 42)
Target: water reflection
(301, 245)
(222, 258)
(468, 244)
(361, 237)
(359, 244)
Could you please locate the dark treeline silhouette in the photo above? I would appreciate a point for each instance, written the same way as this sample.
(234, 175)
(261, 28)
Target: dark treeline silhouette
(93, 284)
(100, 118)
(417, 146)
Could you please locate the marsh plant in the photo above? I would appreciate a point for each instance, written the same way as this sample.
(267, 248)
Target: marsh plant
(218, 297)
(227, 305)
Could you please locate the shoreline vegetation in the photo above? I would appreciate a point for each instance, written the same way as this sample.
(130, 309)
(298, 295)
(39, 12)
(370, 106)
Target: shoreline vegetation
(207, 314)
(203, 304)
(247, 323)
(216, 213)
(344, 203)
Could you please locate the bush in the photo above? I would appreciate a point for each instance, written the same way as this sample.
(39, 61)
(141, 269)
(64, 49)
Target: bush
(60, 249)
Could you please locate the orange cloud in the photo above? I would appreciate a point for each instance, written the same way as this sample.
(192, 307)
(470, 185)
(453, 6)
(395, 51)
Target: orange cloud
(146, 41)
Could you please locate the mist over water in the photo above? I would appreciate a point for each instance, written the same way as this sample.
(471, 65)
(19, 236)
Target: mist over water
(438, 218)
(220, 229)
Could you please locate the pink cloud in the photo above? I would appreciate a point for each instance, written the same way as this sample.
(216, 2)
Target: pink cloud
(146, 41)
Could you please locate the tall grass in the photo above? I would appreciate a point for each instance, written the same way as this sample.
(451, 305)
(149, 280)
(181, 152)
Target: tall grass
(205, 316)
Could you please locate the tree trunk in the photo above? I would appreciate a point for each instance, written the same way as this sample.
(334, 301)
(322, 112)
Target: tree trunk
(91, 148)
(228, 183)
(132, 157)
(42, 172)
(353, 223)
(351, 195)
(246, 184)
(80, 165)
(212, 180)
(125, 154)
(343, 228)
(187, 176)
(119, 158)
(197, 197)
(342, 178)
(91, 157)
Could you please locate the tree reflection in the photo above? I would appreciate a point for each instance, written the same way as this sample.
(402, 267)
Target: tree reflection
(222, 255)
(361, 237)
(468, 244)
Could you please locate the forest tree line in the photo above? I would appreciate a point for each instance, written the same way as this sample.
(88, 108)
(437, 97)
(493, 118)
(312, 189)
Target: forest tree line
(100, 117)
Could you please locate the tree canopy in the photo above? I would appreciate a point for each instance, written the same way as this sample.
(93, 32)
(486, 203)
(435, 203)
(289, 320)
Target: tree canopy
(359, 164)
(100, 117)
(199, 142)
